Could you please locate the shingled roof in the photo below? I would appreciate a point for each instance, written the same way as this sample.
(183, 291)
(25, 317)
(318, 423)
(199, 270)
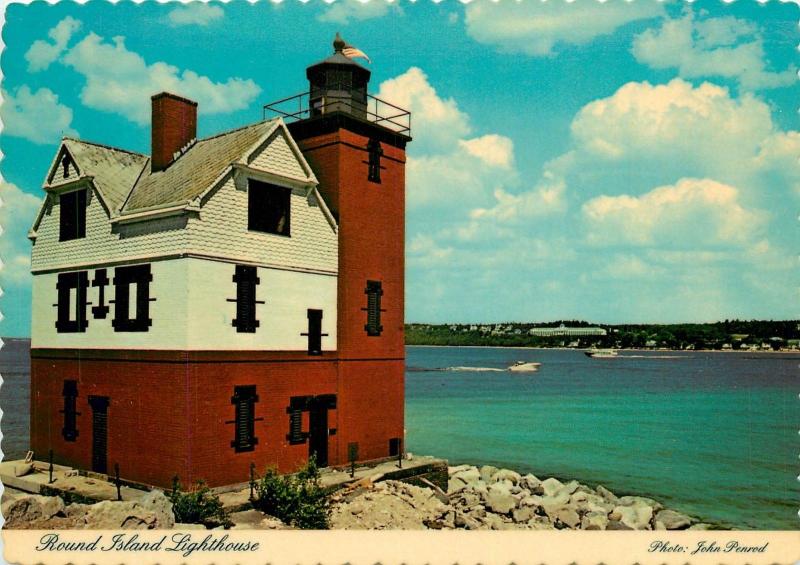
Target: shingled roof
(195, 170)
(113, 170)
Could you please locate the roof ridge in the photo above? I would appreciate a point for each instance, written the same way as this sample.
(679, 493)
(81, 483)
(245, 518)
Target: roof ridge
(230, 131)
(104, 146)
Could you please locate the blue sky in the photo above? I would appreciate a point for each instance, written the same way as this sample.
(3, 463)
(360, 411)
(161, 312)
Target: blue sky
(617, 162)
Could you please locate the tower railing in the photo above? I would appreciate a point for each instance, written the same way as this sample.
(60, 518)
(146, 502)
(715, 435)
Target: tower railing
(377, 111)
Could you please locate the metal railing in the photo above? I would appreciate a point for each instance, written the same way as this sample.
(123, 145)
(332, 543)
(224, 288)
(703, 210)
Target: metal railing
(375, 110)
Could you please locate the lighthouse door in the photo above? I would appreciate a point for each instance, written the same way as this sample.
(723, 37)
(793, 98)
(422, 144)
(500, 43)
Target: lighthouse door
(99, 406)
(318, 427)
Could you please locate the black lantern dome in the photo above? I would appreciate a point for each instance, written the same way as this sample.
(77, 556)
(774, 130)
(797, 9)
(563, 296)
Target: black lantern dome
(338, 84)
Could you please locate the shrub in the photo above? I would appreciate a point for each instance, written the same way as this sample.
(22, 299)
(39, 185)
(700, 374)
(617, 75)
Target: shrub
(197, 506)
(298, 500)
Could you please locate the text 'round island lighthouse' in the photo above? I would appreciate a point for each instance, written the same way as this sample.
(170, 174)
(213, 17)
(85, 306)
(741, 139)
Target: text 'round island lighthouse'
(226, 301)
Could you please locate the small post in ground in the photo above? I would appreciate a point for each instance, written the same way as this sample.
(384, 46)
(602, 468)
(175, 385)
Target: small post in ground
(51, 466)
(252, 480)
(116, 480)
(352, 455)
(400, 453)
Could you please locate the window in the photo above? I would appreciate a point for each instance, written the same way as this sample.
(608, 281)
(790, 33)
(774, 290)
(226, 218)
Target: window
(70, 430)
(132, 298)
(100, 282)
(244, 401)
(73, 215)
(375, 153)
(246, 279)
(72, 302)
(268, 208)
(374, 292)
(297, 405)
(314, 332)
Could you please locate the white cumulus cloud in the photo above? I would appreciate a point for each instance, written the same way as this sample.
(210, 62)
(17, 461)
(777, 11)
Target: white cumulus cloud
(725, 47)
(121, 81)
(536, 28)
(693, 212)
(36, 116)
(195, 13)
(344, 11)
(17, 212)
(43, 53)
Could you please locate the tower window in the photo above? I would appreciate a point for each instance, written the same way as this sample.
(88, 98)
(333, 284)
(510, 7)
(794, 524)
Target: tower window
(374, 292)
(375, 154)
(244, 401)
(132, 298)
(314, 332)
(70, 429)
(72, 302)
(72, 224)
(268, 208)
(246, 279)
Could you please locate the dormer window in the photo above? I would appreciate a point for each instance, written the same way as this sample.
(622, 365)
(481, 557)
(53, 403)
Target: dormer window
(268, 208)
(73, 215)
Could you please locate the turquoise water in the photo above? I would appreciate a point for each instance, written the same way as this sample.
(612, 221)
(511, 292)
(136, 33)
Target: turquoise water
(712, 434)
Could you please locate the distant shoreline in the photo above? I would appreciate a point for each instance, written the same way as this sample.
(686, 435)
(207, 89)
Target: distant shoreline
(638, 350)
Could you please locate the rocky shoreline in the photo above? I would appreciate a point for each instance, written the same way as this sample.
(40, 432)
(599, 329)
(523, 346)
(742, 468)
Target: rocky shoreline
(477, 498)
(488, 498)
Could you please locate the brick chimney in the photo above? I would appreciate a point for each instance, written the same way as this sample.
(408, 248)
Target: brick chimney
(174, 126)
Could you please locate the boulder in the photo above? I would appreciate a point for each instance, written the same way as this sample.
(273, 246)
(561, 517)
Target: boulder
(113, 515)
(635, 517)
(532, 483)
(700, 526)
(495, 522)
(594, 521)
(469, 475)
(487, 471)
(532, 500)
(616, 525)
(568, 517)
(76, 510)
(571, 487)
(158, 503)
(499, 499)
(506, 475)
(551, 486)
(466, 521)
(673, 520)
(639, 501)
(607, 494)
(468, 499)
(522, 514)
(457, 469)
(540, 523)
(26, 509)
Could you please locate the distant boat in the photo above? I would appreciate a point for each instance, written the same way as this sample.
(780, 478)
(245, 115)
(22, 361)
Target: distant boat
(525, 366)
(600, 353)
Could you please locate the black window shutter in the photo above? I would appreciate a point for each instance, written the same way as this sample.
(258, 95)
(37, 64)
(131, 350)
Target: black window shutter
(374, 292)
(66, 283)
(246, 279)
(100, 282)
(70, 429)
(244, 399)
(297, 405)
(124, 279)
(315, 332)
(375, 153)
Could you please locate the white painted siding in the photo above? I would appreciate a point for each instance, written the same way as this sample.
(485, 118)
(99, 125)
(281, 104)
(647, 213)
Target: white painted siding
(278, 157)
(222, 230)
(191, 310)
(101, 245)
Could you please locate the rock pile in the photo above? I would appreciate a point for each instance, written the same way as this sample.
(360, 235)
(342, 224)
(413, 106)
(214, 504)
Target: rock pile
(500, 499)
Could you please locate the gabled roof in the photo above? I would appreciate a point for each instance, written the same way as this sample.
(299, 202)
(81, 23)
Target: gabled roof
(197, 168)
(113, 171)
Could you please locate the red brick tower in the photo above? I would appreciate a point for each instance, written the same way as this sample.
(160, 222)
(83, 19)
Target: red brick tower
(356, 147)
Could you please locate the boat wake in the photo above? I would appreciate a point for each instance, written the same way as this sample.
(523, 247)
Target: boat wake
(459, 369)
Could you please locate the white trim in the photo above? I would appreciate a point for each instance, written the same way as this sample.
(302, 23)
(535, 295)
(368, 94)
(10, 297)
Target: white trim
(188, 255)
(299, 154)
(152, 214)
(325, 210)
(273, 178)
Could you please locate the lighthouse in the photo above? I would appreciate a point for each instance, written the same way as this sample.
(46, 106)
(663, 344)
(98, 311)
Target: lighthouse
(229, 300)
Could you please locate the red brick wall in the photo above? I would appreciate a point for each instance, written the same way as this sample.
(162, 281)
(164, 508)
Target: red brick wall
(171, 417)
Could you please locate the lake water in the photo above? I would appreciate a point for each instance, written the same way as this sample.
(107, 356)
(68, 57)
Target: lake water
(711, 434)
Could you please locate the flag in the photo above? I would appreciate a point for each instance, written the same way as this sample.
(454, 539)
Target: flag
(352, 52)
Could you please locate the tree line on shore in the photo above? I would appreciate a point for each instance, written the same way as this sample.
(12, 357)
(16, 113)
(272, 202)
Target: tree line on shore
(727, 334)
